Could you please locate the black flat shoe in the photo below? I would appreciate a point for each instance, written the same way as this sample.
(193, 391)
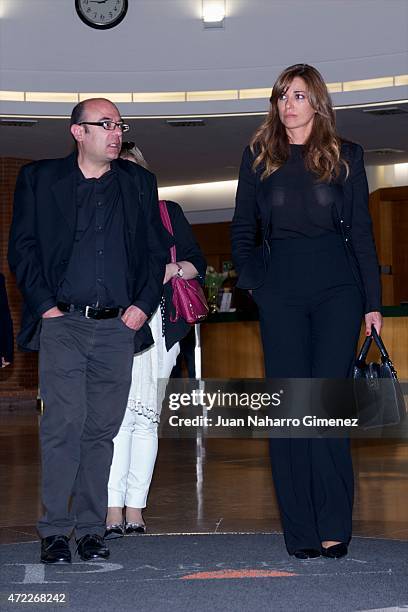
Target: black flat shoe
(116, 530)
(55, 549)
(134, 528)
(92, 546)
(307, 553)
(336, 551)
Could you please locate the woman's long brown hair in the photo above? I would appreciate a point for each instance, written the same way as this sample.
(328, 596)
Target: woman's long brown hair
(270, 142)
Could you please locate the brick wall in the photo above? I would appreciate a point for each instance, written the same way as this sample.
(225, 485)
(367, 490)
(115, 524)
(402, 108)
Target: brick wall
(19, 380)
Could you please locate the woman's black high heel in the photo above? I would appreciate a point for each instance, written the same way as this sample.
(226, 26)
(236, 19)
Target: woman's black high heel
(336, 551)
(134, 528)
(115, 530)
(307, 553)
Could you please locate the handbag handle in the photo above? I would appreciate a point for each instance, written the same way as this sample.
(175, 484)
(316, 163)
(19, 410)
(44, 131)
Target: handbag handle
(366, 346)
(379, 343)
(165, 217)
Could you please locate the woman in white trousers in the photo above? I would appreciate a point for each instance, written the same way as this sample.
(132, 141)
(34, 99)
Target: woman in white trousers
(135, 446)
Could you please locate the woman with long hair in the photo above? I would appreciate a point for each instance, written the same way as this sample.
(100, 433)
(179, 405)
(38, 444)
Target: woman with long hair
(314, 277)
(136, 445)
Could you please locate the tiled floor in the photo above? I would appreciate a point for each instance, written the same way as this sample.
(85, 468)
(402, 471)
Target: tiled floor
(222, 486)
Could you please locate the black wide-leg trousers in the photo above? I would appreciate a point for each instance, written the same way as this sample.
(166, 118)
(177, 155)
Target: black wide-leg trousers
(310, 316)
(85, 372)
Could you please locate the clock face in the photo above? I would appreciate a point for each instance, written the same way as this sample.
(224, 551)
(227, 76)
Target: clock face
(101, 14)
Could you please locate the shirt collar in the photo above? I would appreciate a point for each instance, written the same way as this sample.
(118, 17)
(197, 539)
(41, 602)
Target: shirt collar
(82, 179)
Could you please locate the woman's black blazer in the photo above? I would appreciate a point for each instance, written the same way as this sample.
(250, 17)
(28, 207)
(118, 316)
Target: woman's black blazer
(350, 195)
(187, 249)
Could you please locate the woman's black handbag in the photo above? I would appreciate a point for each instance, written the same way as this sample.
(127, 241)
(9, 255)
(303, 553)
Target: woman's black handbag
(377, 392)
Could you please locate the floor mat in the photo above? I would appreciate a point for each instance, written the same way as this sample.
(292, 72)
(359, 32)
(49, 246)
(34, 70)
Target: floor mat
(229, 572)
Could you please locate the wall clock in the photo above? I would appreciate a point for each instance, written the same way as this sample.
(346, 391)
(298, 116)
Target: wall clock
(101, 14)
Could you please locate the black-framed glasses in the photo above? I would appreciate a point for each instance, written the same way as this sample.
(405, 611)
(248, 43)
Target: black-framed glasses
(108, 125)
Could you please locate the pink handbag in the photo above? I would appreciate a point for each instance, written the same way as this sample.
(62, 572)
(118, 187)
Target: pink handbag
(188, 296)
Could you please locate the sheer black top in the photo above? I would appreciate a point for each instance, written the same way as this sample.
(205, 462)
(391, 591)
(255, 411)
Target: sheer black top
(300, 205)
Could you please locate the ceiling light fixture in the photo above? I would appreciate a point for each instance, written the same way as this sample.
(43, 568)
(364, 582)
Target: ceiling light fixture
(12, 96)
(51, 96)
(364, 84)
(157, 96)
(205, 96)
(213, 13)
(113, 97)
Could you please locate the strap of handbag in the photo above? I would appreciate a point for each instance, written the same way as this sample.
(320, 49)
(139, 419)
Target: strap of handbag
(165, 217)
(366, 346)
(379, 343)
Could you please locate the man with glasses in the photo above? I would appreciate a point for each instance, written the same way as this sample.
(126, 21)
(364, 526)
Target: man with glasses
(87, 248)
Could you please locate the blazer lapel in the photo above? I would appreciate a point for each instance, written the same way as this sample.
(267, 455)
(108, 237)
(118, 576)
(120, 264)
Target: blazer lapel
(64, 191)
(339, 197)
(131, 194)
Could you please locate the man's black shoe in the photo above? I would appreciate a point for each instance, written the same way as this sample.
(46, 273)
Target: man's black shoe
(92, 546)
(55, 549)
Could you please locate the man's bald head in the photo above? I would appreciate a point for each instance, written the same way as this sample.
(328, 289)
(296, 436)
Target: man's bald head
(79, 111)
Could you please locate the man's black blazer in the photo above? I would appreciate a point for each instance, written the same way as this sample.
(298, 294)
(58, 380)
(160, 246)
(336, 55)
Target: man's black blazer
(350, 196)
(42, 234)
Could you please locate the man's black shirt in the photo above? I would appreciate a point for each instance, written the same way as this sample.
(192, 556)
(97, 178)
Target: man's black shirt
(96, 273)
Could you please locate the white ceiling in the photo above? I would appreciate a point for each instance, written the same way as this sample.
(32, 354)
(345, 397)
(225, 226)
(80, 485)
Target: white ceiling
(161, 45)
